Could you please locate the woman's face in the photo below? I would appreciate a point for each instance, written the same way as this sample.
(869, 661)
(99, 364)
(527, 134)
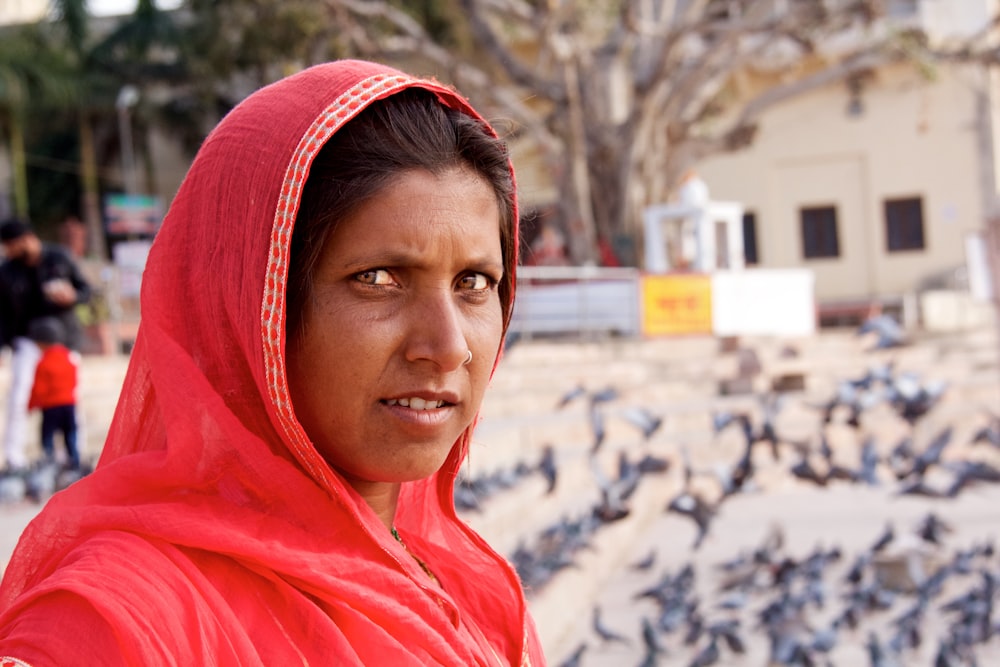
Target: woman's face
(403, 290)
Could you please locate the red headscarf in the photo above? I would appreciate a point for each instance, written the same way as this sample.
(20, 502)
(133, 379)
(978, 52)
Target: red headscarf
(212, 532)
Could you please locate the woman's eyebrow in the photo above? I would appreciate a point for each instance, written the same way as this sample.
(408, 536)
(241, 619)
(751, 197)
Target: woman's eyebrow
(402, 258)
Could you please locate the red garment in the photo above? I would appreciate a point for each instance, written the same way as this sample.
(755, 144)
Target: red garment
(212, 532)
(608, 256)
(55, 379)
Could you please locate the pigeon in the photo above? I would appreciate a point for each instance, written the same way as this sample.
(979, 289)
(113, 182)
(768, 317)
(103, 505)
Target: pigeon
(571, 395)
(879, 655)
(652, 464)
(932, 529)
(646, 562)
(770, 405)
(804, 470)
(465, 496)
(597, 428)
(68, 476)
(917, 486)
(883, 540)
(574, 659)
(41, 481)
(932, 454)
(693, 506)
(824, 639)
(547, 467)
(968, 473)
(612, 506)
(641, 418)
(990, 433)
(13, 489)
(869, 461)
(605, 633)
(605, 395)
(707, 656)
(650, 638)
(727, 630)
(722, 419)
(912, 400)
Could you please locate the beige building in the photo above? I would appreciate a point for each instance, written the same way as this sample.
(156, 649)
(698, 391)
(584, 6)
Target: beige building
(875, 187)
(22, 11)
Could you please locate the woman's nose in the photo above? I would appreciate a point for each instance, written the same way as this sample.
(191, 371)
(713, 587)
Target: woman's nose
(436, 330)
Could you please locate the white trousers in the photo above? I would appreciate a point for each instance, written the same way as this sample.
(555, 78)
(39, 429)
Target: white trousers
(23, 362)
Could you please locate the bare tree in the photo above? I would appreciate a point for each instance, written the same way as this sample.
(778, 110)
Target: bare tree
(624, 95)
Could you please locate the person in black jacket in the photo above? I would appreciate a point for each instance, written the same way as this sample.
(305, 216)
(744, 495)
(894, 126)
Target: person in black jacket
(36, 280)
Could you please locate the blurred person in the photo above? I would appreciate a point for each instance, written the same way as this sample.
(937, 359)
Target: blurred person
(322, 311)
(692, 194)
(693, 190)
(73, 236)
(883, 329)
(549, 248)
(54, 389)
(36, 280)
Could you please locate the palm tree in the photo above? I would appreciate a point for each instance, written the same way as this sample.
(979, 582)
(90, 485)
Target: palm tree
(32, 73)
(73, 18)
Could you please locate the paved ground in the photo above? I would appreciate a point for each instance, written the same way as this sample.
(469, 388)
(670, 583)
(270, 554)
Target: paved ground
(680, 381)
(680, 378)
(100, 382)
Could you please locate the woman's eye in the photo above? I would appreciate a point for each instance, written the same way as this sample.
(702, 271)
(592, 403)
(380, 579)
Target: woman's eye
(477, 282)
(374, 277)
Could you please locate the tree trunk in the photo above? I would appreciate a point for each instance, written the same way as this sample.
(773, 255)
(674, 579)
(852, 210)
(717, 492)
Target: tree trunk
(986, 135)
(582, 237)
(19, 164)
(90, 187)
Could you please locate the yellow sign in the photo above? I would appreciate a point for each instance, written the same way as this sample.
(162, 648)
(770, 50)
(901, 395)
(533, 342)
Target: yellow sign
(676, 304)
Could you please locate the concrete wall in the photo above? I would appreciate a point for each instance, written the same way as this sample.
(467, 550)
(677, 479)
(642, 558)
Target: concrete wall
(915, 137)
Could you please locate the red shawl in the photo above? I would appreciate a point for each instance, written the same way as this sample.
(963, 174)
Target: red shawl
(212, 532)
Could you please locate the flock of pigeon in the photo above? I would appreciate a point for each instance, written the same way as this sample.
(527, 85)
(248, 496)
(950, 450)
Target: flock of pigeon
(38, 481)
(802, 605)
(922, 471)
(805, 606)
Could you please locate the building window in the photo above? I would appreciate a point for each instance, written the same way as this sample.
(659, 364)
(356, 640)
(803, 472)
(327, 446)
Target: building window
(904, 224)
(750, 238)
(819, 232)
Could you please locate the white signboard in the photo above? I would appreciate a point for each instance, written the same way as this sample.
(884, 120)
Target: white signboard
(770, 302)
(130, 259)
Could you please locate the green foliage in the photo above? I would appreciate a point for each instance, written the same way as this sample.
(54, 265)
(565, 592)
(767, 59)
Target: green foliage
(53, 171)
(95, 311)
(33, 69)
(261, 38)
(71, 15)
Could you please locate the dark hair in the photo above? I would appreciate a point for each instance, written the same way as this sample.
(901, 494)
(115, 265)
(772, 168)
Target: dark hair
(14, 228)
(47, 331)
(409, 130)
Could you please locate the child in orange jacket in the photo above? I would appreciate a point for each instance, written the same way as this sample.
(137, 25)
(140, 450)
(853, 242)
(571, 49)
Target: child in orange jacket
(54, 390)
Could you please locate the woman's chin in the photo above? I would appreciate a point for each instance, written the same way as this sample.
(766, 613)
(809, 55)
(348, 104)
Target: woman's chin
(413, 472)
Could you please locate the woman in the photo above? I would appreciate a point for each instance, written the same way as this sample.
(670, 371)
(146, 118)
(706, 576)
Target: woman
(322, 310)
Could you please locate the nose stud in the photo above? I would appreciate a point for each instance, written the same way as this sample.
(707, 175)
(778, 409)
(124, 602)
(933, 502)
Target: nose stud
(469, 360)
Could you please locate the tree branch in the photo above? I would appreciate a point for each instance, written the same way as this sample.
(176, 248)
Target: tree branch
(518, 73)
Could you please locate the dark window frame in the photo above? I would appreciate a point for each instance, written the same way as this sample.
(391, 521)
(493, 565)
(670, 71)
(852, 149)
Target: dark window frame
(751, 249)
(904, 224)
(819, 232)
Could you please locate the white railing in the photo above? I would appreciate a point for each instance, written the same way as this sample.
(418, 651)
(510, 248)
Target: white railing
(582, 301)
